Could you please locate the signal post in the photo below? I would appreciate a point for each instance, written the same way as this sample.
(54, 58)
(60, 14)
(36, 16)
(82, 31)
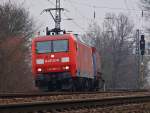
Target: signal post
(142, 52)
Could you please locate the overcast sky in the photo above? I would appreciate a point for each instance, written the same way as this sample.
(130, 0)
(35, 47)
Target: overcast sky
(81, 11)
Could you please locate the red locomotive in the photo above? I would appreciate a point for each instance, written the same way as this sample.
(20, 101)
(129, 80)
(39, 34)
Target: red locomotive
(64, 62)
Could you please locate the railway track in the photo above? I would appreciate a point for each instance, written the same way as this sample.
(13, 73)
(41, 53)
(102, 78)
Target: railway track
(30, 102)
(37, 94)
(58, 96)
(58, 106)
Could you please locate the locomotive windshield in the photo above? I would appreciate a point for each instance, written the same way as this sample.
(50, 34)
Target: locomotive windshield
(52, 46)
(60, 45)
(44, 47)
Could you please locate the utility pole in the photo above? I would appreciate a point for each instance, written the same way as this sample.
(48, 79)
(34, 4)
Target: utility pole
(94, 12)
(109, 23)
(110, 33)
(138, 57)
(58, 14)
(56, 18)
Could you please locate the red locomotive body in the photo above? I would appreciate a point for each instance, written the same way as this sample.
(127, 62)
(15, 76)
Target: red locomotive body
(63, 62)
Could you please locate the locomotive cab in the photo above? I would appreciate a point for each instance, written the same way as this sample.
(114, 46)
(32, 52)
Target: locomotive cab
(52, 53)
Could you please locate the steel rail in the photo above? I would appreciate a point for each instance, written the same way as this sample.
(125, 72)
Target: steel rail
(72, 104)
(25, 95)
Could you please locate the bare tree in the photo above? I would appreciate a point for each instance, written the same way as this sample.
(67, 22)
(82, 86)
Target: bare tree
(16, 27)
(115, 42)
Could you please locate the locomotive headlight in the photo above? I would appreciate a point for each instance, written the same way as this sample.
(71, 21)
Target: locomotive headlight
(39, 69)
(40, 61)
(67, 67)
(65, 59)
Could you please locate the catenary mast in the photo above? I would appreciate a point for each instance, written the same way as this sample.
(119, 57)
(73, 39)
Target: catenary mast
(56, 18)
